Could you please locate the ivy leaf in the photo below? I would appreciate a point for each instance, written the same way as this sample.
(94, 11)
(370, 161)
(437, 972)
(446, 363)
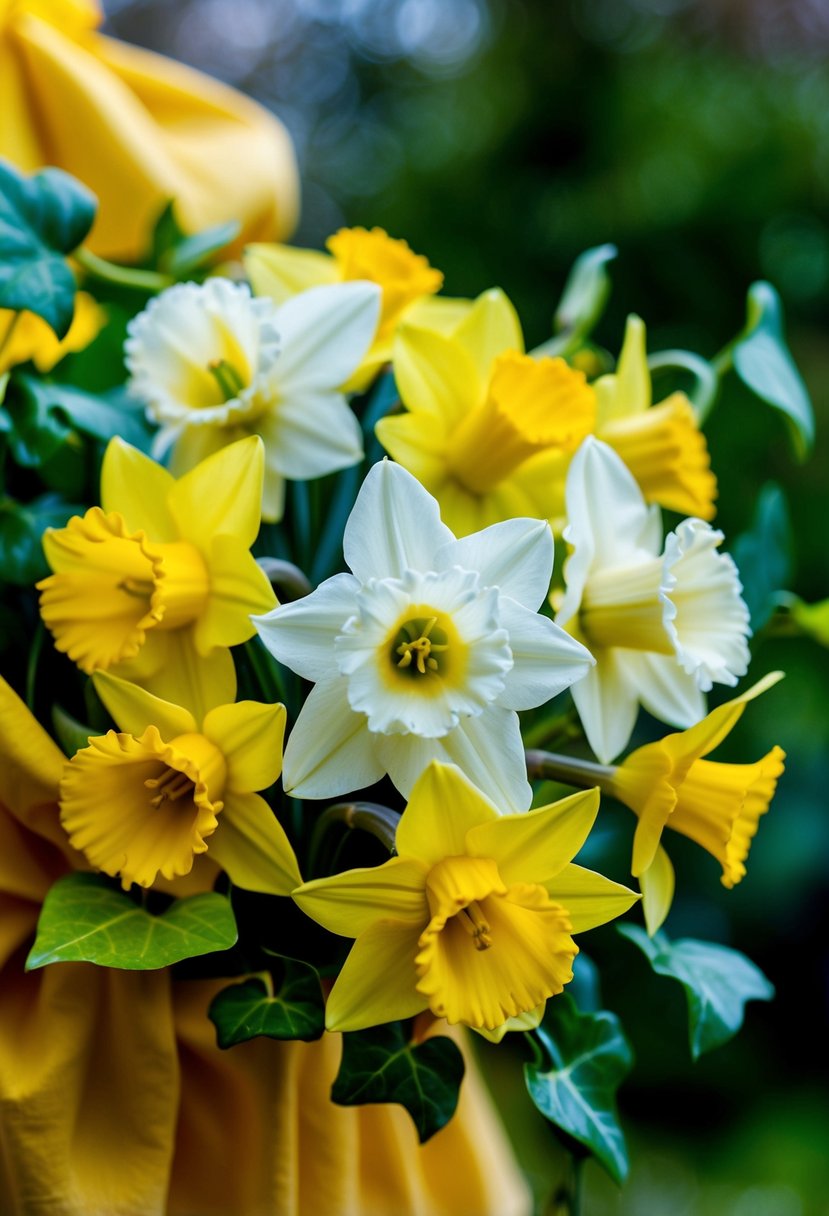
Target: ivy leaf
(764, 363)
(42, 218)
(21, 536)
(585, 292)
(717, 981)
(380, 1065)
(294, 1010)
(585, 1058)
(763, 554)
(85, 919)
(57, 408)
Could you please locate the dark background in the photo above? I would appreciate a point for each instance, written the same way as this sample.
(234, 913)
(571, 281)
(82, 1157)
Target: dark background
(501, 138)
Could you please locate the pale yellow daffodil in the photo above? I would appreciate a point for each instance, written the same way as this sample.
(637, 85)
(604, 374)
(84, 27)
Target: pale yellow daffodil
(160, 577)
(407, 281)
(171, 786)
(25, 336)
(485, 425)
(472, 918)
(138, 129)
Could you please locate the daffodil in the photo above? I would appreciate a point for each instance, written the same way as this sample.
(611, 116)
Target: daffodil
(663, 626)
(472, 918)
(139, 129)
(662, 444)
(213, 364)
(25, 336)
(150, 798)
(424, 652)
(486, 425)
(407, 281)
(160, 577)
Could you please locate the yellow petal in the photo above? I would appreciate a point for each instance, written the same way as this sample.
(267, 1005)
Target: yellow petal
(375, 257)
(418, 445)
(250, 736)
(534, 847)
(281, 271)
(522, 1023)
(657, 883)
(223, 494)
(351, 902)
(444, 805)
(488, 329)
(443, 314)
(170, 667)
(590, 899)
(628, 392)
(436, 377)
(137, 488)
(31, 338)
(239, 588)
(377, 982)
(252, 847)
(30, 766)
(134, 709)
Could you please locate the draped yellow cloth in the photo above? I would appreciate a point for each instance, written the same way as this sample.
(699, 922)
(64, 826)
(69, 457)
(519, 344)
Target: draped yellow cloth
(138, 129)
(115, 1100)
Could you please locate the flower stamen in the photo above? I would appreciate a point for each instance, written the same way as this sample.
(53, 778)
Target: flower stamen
(228, 378)
(475, 923)
(171, 786)
(418, 647)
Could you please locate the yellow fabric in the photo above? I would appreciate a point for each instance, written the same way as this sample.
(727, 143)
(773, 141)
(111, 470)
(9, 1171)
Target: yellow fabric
(138, 129)
(115, 1100)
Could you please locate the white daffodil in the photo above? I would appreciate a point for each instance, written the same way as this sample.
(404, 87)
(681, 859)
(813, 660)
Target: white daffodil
(424, 652)
(213, 364)
(664, 626)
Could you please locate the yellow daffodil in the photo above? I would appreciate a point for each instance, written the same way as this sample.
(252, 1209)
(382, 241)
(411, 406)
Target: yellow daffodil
(213, 364)
(664, 626)
(473, 917)
(160, 576)
(407, 281)
(25, 336)
(425, 652)
(486, 424)
(149, 800)
(669, 784)
(662, 445)
(139, 129)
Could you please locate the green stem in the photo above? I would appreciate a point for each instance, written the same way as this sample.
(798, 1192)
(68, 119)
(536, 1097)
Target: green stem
(380, 821)
(285, 576)
(550, 731)
(123, 276)
(576, 1184)
(584, 774)
(706, 374)
(32, 665)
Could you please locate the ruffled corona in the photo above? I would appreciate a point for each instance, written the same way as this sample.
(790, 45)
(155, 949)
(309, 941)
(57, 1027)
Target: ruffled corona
(473, 917)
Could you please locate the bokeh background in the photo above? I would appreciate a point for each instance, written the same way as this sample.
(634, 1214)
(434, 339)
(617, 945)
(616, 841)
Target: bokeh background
(501, 138)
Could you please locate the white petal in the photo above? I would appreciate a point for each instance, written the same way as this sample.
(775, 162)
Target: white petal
(669, 693)
(301, 635)
(516, 556)
(330, 750)
(394, 526)
(607, 702)
(546, 660)
(325, 332)
(311, 433)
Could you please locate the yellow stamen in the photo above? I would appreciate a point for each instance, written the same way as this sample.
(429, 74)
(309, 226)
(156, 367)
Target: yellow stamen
(171, 786)
(532, 405)
(420, 648)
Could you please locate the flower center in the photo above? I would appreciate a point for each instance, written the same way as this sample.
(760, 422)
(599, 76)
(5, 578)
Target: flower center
(418, 645)
(532, 405)
(228, 377)
(472, 919)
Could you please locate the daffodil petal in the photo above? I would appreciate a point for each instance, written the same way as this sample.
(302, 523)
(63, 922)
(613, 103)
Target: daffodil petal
(489, 749)
(239, 587)
(435, 376)
(516, 556)
(251, 845)
(169, 666)
(312, 434)
(137, 488)
(657, 883)
(351, 902)
(524, 1022)
(701, 738)
(490, 327)
(607, 704)
(590, 898)
(329, 750)
(249, 735)
(666, 691)
(280, 271)
(222, 494)
(419, 447)
(324, 333)
(443, 314)
(134, 709)
(546, 660)
(395, 525)
(301, 635)
(32, 767)
(444, 806)
(627, 392)
(537, 846)
(377, 982)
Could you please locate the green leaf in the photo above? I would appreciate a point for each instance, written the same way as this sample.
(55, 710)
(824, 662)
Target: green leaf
(195, 251)
(763, 554)
(167, 233)
(811, 619)
(380, 1065)
(717, 980)
(585, 292)
(764, 363)
(72, 734)
(84, 919)
(585, 1058)
(42, 218)
(21, 531)
(295, 1010)
(36, 432)
(61, 406)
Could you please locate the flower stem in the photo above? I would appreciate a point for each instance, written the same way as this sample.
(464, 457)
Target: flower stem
(122, 276)
(379, 821)
(582, 773)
